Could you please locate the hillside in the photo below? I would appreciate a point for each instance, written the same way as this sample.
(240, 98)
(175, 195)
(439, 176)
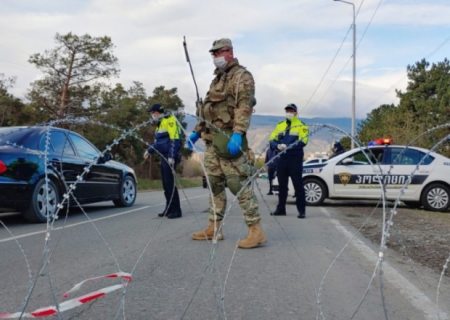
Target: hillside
(262, 126)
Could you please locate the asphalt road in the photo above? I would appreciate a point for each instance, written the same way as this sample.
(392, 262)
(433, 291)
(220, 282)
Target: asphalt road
(296, 275)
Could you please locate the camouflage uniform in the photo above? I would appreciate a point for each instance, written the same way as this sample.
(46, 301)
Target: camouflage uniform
(228, 106)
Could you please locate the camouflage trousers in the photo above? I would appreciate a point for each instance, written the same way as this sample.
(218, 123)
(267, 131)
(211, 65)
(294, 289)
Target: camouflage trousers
(234, 173)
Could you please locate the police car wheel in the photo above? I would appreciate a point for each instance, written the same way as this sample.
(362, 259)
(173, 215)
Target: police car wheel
(315, 192)
(436, 197)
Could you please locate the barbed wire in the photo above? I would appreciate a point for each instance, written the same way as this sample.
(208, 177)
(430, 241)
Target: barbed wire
(211, 265)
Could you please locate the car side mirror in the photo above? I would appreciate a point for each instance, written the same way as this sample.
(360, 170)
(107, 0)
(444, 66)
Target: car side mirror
(106, 157)
(347, 161)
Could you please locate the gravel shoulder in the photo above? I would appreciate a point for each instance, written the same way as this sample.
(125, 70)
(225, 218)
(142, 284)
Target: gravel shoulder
(416, 234)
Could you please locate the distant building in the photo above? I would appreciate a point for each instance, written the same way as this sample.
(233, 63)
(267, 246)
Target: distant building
(316, 155)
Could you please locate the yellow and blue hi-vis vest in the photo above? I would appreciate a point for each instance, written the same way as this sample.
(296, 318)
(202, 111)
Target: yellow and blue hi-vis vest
(167, 137)
(290, 132)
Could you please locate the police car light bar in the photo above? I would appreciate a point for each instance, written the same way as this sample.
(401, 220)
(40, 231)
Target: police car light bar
(383, 141)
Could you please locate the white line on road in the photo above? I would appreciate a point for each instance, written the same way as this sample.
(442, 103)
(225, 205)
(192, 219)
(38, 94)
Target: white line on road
(417, 298)
(88, 221)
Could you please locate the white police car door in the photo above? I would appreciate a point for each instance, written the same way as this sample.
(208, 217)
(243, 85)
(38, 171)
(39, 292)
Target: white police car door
(356, 177)
(403, 162)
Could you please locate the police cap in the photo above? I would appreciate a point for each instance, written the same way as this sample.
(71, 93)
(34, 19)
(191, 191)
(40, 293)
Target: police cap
(218, 44)
(156, 108)
(291, 106)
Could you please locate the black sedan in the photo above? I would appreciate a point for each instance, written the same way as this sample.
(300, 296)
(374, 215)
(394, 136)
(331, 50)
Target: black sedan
(76, 172)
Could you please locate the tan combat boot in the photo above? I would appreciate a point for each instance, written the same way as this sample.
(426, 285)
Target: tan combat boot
(208, 233)
(254, 238)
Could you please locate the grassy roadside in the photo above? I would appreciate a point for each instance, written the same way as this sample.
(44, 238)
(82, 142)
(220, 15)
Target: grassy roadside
(148, 185)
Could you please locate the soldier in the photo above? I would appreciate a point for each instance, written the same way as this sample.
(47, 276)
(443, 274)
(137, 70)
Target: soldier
(228, 106)
(294, 133)
(167, 143)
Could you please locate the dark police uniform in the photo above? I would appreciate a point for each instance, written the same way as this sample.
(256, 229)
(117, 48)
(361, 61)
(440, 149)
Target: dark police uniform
(167, 143)
(294, 134)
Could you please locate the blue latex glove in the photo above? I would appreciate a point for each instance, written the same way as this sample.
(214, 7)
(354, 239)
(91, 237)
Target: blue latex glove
(192, 140)
(234, 146)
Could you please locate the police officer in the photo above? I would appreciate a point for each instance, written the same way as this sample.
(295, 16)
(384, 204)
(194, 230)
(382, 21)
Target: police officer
(271, 167)
(167, 143)
(337, 149)
(290, 134)
(227, 108)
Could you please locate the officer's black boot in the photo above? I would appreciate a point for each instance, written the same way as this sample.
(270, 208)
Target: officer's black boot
(301, 215)
(165, 213)
(278, 213)
(174, 215)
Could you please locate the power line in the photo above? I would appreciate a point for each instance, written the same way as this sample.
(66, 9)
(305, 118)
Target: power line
(331, 64)
(359, 8)
(14, 49)
(13, 63)
(434, 51)
(371, 19)
(328, 69)
(334, 81)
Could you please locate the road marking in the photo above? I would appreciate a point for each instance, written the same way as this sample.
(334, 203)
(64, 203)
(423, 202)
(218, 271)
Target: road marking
(89, 221)
(415, 296)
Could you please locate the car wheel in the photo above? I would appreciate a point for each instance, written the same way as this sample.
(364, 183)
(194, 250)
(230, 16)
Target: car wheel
(315, 192)
(413, 204)
(127, 193)
(44, 201)
(436, 197)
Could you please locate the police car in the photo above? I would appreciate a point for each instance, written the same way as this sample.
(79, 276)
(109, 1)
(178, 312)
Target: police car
(352, 176)
(315, 160)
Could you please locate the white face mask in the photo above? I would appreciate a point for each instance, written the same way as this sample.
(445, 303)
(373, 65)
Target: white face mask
(289, 116)
(220, 62)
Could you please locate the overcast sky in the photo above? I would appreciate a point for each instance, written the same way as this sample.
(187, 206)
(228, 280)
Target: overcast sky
(287, 45)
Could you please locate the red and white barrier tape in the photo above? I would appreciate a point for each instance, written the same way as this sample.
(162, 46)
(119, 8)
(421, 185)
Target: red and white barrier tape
(75, 302)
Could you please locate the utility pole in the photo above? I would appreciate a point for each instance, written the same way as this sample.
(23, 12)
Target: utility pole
(354, 71)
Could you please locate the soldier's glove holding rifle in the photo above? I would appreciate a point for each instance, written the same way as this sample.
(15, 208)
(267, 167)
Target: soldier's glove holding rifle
(171, 161)
(235, 143)
(281, 147)
(192, 140)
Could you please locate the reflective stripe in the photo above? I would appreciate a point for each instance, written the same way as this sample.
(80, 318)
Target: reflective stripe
(297, 130)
